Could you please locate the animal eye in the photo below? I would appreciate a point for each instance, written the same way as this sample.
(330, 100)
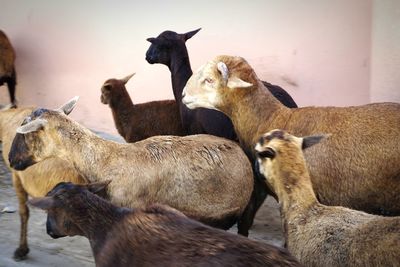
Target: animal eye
(209, 80)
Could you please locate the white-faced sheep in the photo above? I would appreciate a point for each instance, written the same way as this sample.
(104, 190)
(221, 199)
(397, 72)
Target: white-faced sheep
(207, 178)
(316, 234)
(359, 167)
(7, 68)
(35, 181)
(136, 122)
(156, 235)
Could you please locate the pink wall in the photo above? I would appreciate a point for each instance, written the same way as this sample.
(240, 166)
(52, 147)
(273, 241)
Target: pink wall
(318, 50)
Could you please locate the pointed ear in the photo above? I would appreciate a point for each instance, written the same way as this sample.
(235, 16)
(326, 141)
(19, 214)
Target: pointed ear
(43, 203)
(151, 39)
(234, 82)
(309, 141)
(188, 35)
(32, 126)
(267, 152)
(127, 78)
(69, 106)
(99, 188)
(154, 40)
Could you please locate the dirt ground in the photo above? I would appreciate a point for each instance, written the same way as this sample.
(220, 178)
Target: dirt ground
(75, 251)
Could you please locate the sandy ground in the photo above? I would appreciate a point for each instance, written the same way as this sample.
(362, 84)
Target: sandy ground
(75, 251)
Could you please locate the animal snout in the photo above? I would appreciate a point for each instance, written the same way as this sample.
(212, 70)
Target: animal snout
(51, 232)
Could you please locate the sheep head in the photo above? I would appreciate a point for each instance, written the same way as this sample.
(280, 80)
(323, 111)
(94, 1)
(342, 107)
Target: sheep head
(160, 50)
(65, 202)
(280, 158)
(36, 138)
(113, 88)
(218, 83)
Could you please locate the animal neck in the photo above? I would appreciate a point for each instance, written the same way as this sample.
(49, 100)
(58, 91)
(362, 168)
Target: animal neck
(122, 108)
(180, 72)
(86, 151)
(296, 197)
(252, 112)
(94, 227)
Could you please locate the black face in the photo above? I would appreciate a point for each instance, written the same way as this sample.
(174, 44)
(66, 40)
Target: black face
(19, 156)
(158, 52)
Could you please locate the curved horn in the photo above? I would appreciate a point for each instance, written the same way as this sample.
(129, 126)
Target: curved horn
(223, 69)
(32, 126)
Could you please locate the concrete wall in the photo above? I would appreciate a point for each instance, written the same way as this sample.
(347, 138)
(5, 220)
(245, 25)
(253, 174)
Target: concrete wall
(385, 67)
(318, 50)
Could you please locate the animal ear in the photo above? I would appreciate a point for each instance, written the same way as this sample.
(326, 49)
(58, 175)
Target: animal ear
(32, 126)
(234, 82)
(188, 35)
(154, 40)
(267, 152)
(43, 203)
(231, 82)
(127, 78)
(309, 141)
(69, 106)
(99, 188)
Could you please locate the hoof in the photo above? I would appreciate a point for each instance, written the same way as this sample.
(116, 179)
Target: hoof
(21, 253)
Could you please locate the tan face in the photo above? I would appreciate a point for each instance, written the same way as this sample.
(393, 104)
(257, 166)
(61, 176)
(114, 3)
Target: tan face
(212, 86)
(203, 88)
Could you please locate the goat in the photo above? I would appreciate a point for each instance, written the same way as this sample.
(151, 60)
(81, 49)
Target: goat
(358, 167)
(140, 121)
(316, 234)
(156, 235)
(7, 68)
(169, 48)
(35, 181)
(206, 177)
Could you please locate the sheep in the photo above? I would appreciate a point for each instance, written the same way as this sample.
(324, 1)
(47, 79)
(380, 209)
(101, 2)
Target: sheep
(155, 235)
(169, 48)
(140, 121)
(357, 168)
(7, 69)
(35, 181)
(206, 177)
(319, 235)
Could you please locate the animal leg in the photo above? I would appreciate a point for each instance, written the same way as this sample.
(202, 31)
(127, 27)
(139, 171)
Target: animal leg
(23, 249)
(11, 83)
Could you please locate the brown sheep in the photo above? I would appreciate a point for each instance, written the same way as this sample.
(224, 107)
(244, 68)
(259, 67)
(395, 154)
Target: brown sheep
(316, 234)
(156, 235)
(35, 181)
(359, 167)
(206, 177)
(136, 122)
(7, 68)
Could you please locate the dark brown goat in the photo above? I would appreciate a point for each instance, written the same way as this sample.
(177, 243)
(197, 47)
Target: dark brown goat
(154, 236)
(7, 69)
(136, 122)
(169, 48)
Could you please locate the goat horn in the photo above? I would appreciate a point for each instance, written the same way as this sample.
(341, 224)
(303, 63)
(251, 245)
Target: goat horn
(69, 106)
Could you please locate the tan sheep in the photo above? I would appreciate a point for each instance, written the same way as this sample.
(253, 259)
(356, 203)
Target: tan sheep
(358, 167)
(35, 181)
(207, 178)
(316, 234)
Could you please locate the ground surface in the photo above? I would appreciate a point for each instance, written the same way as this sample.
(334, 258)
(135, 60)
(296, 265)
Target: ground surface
(75, 251)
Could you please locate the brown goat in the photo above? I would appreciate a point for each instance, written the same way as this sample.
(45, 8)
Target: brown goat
(136, 122)
(7, 69)
(153, 236)
(206, 177)
(316, 234)
(359, 167)
(35, 181)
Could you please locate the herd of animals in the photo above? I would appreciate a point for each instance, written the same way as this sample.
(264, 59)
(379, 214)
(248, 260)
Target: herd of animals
(159, 199)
